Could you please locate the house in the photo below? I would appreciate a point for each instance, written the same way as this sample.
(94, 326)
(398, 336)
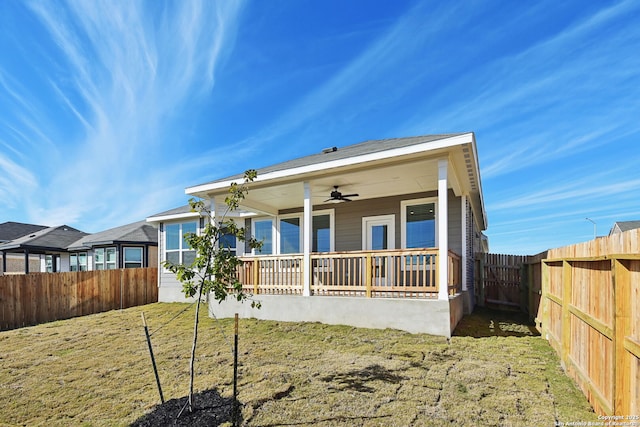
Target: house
(622, 226)
(377, 234)
(128, 246)
(48, 243)
(64, 248)
(15, 263)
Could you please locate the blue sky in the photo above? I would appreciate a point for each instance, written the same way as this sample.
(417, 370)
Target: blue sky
(109, 109)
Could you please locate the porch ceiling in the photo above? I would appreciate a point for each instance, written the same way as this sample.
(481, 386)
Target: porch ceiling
(384, 181)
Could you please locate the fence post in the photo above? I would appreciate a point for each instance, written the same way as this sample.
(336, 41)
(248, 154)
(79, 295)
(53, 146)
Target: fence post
(369, 274)
(621, 279)
(256, 275)
(565, 345)
(544, 287)
(481, 279)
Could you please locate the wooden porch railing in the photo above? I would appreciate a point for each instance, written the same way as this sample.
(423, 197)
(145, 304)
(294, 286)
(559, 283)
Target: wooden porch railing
(387, 273)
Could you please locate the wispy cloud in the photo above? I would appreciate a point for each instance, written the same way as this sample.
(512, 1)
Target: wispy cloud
(124, 72)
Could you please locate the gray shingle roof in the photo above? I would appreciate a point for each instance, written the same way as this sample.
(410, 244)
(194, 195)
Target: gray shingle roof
(174, 211)
(626, 225)
(366, 147)
(12, 230)
(48, 239)
(137, 232)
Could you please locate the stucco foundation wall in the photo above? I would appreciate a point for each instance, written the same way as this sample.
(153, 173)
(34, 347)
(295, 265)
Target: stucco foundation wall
(415, 316)
(172, 294)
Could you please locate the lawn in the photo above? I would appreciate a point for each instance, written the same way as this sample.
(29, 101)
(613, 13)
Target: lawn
(96, 371)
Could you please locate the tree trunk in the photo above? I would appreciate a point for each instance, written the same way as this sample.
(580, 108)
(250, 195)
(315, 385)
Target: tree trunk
(193, 349)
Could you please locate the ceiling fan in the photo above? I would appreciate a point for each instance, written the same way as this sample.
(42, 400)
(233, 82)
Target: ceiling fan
(337, 197)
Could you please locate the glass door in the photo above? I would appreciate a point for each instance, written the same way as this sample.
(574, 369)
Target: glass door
(378, 234)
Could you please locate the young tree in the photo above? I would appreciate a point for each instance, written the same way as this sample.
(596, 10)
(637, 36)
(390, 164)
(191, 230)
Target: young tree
(214, 268)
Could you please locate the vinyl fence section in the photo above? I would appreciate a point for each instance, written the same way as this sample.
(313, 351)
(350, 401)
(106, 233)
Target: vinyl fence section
(591, 316)
(31, 299)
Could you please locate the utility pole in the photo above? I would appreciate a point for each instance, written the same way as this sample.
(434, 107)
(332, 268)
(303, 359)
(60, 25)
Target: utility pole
(594, 227)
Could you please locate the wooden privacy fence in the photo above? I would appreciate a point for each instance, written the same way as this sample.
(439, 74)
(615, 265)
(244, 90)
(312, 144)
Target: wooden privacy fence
(591, 316)
(502, 281)
(30, 299)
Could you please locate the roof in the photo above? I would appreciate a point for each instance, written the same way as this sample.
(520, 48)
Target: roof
(372, 169)
(175, 213)
(12, 230)
(49, 239)
(334, 153)
(137, 232)
(622, 226)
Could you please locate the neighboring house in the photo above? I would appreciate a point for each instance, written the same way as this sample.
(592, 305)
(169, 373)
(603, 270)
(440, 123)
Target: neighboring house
(15, 263)
(49, 243)
(622, 226)
(377, 234)
(129, 246)
(63, 248)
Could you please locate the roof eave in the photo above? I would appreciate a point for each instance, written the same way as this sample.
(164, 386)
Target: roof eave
(203, 190)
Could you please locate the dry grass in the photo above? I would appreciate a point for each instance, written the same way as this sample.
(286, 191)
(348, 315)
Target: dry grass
(96, 370)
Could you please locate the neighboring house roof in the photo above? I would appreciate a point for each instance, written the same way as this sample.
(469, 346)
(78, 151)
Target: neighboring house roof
(135, 233)
(12, 230)
(622, 226)
(51, 239)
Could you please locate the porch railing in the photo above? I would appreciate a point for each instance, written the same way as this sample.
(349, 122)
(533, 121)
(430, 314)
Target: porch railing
(386, 273)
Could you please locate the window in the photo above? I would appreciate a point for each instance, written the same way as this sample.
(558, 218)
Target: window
(78, 261)
(290, 235)
(132, 257)
(228, 240)
(263, 231)
(105, 258)
(49, 263)
(419, 224)
(177, 250)
(321, 232)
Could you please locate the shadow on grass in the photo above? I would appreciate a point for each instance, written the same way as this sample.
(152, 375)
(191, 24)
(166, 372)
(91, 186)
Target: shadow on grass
(483, 323)
(359, 379)
(210, 409)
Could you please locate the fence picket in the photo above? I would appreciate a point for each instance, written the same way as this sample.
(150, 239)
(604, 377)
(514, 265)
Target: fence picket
(29, 299)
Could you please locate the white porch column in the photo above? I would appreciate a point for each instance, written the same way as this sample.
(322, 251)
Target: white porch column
(306, 240)
(443, 231)
(464, 255)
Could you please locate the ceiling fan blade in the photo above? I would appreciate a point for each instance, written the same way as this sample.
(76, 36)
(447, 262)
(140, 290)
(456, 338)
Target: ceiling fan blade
(349, 195)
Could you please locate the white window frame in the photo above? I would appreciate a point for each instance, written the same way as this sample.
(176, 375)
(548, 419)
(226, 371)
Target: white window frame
(300, 233)
(403, 217)
(105, 261)
(274, 238)
(77, 265)
(332, 226)
(239, 249)
(180, 249)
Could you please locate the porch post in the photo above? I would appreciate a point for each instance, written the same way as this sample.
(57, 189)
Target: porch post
(26, 261)
(4, 262)
(464, 255)
(443, 231)
(306, 240)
